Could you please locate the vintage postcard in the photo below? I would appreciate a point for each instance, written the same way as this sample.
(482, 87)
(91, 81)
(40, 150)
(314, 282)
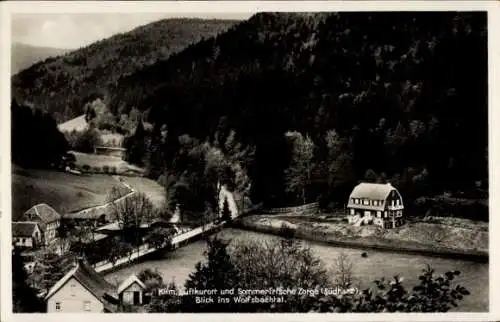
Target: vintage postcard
(324, 158)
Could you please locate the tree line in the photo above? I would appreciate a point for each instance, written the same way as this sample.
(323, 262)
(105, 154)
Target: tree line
(62, 85)
(399, 97)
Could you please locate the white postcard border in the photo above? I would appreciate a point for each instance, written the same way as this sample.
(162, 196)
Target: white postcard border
(11, 7)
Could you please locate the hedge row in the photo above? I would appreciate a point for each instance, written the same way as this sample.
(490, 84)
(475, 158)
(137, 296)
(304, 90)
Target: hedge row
(96, 169)
(104, 169)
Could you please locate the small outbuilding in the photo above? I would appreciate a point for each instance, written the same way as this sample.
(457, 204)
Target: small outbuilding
(377, 204)
(131, 291)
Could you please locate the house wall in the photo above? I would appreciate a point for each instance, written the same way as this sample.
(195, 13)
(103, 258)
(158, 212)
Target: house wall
(50, 233)
(128, 293)
(394, 201)
(23, 241)
(72, 297)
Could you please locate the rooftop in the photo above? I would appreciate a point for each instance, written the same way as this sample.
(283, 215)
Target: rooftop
(45, 212)
(23, 229)
(372, 191)
(129, 281)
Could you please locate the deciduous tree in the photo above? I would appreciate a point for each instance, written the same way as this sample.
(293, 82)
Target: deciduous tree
(298, 174)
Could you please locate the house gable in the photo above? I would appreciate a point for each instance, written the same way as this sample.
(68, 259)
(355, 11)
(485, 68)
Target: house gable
(72, 296)
(372, 196)
(132, 283)
(135, 287)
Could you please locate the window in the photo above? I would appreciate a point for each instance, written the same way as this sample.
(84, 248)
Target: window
(58, 306)
(86, 306)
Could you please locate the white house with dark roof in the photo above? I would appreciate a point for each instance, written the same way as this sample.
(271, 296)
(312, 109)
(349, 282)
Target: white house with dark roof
(48, 219)
(131, 291)
(374, 203)
(82, 290)
(26, 234)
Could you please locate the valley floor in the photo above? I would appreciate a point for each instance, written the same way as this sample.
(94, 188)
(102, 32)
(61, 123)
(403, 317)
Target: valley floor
(448, 237)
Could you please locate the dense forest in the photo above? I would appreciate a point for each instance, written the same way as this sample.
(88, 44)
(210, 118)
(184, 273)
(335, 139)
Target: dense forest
(287, 108)
(325, 100)
(62, 85)
(36, 141)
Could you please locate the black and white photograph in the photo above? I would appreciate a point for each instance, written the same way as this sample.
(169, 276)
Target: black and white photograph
(268, 161)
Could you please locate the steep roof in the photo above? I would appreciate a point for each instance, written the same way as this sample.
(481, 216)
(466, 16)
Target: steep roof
(92, 281)
(45, 212)
(129, 281)
(23, 229)
(371, 191)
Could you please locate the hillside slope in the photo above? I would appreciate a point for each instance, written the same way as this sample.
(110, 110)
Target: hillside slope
(405, 93)
(23, 55)
(64, 84)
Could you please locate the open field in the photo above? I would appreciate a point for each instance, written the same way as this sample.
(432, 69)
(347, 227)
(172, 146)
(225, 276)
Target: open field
(152, 189)
(461, 236)
(62, 191)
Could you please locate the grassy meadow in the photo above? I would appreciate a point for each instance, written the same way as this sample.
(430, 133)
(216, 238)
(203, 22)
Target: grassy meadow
(62, 191)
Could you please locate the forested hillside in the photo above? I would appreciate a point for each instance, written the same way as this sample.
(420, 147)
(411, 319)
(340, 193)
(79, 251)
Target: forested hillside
(63, 85)
(36, 141)
(23, 56)
(318, 102)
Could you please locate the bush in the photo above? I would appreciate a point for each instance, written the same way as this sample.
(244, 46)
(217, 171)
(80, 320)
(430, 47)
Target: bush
(286, 231)
(105, 168)
(97, 169)
(86, 168)
(113, 170)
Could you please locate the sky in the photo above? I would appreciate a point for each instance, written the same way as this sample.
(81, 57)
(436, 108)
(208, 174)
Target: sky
(71, 31)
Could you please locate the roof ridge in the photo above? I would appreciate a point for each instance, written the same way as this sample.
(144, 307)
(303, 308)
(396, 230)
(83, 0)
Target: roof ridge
(129, 281)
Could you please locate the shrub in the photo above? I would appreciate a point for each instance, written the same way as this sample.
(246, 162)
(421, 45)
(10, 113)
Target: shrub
(105, 168)
(286, 231)
(113, 169)
(97, 169)
(86, 168)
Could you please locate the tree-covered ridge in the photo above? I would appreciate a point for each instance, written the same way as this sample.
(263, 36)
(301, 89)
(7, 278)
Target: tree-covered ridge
(62, 85)
(23, 55)
(399, 95)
